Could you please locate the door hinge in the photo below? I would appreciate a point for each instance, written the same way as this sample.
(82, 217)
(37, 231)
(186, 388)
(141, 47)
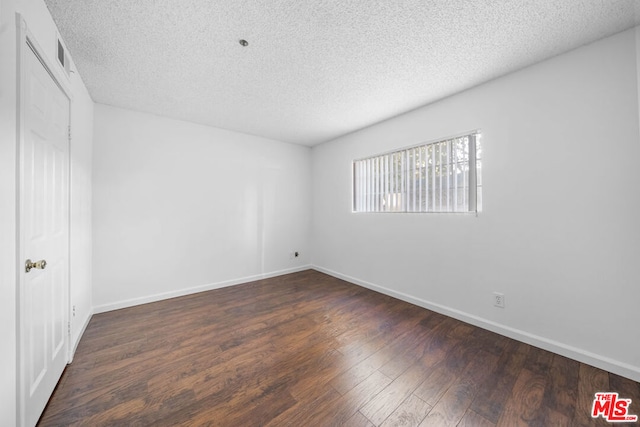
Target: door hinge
(69, 328)
(69, 132)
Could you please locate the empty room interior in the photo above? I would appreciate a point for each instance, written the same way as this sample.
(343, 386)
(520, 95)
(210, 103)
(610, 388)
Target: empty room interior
(323, 213)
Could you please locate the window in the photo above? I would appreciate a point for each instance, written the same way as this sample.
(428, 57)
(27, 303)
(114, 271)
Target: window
(443, 176)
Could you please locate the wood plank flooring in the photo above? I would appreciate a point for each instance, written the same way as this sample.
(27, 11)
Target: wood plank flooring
(307, 349)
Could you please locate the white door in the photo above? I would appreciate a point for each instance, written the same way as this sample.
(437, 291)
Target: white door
(44, 235)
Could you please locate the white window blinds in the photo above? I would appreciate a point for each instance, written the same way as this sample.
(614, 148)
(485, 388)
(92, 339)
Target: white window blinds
(443, 176)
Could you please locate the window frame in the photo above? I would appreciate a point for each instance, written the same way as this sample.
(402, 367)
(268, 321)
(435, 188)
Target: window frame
(474, 183)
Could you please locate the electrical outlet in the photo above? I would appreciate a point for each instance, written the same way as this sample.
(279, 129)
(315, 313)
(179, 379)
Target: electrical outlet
(498, 299)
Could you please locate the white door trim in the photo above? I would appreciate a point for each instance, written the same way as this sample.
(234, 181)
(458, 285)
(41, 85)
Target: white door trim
(26, 42)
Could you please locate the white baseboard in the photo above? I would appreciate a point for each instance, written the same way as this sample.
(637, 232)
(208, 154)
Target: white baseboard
(187, 291)
(584, 356)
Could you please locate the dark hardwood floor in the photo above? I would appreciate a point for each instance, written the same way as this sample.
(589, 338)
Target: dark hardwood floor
(307, 349)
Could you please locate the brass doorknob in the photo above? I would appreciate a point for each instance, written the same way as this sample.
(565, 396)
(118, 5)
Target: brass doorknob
(28, 265)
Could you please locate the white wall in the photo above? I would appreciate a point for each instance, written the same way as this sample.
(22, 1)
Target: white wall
(41, 25)
(559, 234)
(180, 207)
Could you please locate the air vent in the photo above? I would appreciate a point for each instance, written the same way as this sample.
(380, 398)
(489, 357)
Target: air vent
(63, 58)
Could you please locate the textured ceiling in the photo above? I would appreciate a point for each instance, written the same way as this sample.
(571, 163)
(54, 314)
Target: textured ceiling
(314, 69)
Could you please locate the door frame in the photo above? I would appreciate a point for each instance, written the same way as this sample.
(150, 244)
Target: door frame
(26, 42)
